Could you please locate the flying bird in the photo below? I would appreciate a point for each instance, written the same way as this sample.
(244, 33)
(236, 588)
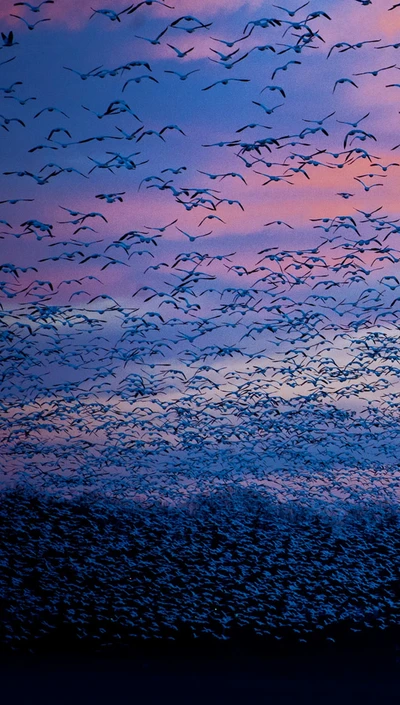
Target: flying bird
(225, 81)
(34, 8)
(376, 72)
(111, 14)
(292, 13)
(285, 67)
(30, 26)
(182, 76)
(342, 81)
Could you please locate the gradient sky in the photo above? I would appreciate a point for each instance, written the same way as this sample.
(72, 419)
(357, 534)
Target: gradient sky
(118, 387)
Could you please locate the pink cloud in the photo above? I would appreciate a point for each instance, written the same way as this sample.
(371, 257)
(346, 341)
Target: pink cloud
(74, 14)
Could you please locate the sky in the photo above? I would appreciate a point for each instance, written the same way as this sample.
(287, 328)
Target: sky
(201, 287)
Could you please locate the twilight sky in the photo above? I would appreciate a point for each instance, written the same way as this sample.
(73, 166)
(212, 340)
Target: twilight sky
(202, 284)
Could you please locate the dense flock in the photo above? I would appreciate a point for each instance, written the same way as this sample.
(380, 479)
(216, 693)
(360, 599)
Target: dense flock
(206, 310)
(96, 574)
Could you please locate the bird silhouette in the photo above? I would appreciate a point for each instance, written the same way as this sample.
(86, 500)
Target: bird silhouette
(342, 81)
(34, 8)
(28, 25)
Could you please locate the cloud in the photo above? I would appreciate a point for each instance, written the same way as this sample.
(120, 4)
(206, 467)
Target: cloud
(75, 14)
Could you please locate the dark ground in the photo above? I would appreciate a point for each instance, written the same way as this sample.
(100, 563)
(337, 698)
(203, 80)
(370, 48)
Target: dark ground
(366, 677)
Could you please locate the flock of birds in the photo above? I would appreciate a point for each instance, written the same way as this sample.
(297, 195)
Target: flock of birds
(209, 306)
(157, 372)
(94, 574)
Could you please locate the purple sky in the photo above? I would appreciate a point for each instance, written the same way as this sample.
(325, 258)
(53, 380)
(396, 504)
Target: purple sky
(109, 341)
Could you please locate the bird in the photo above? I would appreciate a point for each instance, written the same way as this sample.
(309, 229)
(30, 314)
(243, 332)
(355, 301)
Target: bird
(176, 171)
(342, 81)
(14, 201)
(8, 121)
(365, 186)
(163, 228)
(50, 110)
(192, 238)
(385, 167)
(285, 67)
(111, 197)
(210, 217)
(278, 222)
(180, 54)
(30, 26)
(376, 72)
(138, 79)
(182, 76)
(225, 81)
(175, 128)
(357, 134)
(147, 3)
(292, 13)
(223, 56)
(354, 124)
(231, 43)
(148, 133)
(339, 45)
(230, 64)
(111, 14)
(188, 19)
(83, 76)
(267, 110)
(34, 8)
(359, 45)
(320, 122)
(263, 47)
(274, 88)
(156, 40)
(10, 89)
(252, 126)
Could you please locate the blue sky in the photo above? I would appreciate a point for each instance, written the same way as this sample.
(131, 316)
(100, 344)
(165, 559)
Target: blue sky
(294, 338)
